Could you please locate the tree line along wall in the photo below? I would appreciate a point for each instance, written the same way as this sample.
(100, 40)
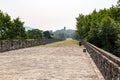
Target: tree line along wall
(7, 45)
(108, 64)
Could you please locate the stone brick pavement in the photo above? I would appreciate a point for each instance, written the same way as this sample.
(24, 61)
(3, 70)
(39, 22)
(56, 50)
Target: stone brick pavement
(58, 61)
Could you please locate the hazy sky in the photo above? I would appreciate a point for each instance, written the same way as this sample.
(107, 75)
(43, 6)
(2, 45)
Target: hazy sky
(51, 14)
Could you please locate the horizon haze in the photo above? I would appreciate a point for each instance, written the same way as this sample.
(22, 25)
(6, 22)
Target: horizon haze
(52, 14)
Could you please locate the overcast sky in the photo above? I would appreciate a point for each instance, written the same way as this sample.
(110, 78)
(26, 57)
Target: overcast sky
(52, 14)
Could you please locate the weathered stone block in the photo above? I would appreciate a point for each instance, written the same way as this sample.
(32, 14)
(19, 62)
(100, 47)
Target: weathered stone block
(108, 64)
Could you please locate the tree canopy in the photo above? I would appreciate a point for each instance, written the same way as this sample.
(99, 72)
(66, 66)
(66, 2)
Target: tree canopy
(34, 34)
(101, 28)
(47, 35)
(11, 29)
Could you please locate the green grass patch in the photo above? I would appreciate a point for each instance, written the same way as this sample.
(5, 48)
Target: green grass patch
(67, 42)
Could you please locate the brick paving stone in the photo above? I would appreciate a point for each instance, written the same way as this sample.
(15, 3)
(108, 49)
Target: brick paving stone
(47, 62)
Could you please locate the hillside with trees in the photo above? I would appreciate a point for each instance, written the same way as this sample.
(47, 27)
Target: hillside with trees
(101, 28)
(63, 34)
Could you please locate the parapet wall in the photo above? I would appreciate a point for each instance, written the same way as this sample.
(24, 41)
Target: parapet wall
(8, 45)
(108, 64)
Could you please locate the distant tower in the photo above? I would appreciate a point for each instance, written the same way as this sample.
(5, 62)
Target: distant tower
(64, 33)
(64, 28)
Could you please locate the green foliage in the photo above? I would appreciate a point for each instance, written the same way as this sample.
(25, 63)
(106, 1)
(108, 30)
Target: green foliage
(60, 34)
(108, 33)
(11, 29)
(34, 34)
(118, 3)
(101, 28)
(47, 35)
(70, 33)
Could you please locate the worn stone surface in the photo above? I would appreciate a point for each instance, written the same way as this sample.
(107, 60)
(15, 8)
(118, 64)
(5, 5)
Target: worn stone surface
(59, 61)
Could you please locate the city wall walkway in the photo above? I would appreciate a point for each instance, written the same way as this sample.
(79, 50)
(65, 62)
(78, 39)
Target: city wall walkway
(63, 60)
